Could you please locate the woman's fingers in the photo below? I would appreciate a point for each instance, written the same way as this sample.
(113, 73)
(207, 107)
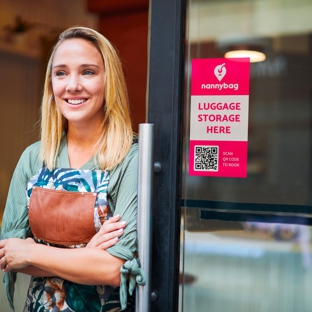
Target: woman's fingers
(109, 236)
(2, 243)
(109, 233)
(105, 240)
(112, 224)
(3, 263)
(110, 227)
(113, 219)
(108, 243)
(14, 253)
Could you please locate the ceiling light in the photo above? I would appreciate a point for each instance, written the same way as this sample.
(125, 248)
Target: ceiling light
(253, 53)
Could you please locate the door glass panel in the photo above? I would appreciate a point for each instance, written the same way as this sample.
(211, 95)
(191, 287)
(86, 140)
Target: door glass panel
(242, 267)
(246, 241)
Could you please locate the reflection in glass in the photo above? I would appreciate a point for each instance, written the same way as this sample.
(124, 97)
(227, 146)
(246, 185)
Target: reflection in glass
(261, 267)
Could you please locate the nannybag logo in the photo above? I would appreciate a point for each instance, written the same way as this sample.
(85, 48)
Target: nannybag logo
(220, 71)
(220, 76)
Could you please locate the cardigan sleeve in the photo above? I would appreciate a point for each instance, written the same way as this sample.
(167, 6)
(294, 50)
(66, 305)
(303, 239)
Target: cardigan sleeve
(15, 218)
(122, 196)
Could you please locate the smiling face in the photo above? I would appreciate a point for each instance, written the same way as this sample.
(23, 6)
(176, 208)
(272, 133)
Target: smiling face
(78, 82)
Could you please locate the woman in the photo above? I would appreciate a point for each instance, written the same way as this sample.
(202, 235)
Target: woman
(80, 182)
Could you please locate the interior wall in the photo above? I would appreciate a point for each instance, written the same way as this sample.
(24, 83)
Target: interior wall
(53, 13)
(125, 24)
(130, 38)
(19, 112)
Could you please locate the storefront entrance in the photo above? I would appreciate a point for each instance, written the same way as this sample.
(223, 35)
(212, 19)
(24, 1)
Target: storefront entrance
(245, 241)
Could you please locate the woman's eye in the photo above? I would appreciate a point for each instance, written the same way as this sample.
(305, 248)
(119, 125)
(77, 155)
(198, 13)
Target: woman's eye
(60, 73)
(88, 72)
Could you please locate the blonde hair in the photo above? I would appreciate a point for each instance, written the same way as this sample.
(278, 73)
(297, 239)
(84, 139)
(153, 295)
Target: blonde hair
(117, 134)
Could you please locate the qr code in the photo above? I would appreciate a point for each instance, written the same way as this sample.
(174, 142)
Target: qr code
(206, 158)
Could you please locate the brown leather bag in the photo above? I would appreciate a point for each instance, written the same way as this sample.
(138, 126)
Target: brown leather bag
(62, 217)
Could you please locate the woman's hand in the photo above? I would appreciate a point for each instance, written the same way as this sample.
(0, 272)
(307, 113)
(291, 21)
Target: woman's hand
(13, 253)
(109, 233)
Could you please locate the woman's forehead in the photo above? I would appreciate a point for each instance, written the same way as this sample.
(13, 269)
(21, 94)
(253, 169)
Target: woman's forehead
(76, 49)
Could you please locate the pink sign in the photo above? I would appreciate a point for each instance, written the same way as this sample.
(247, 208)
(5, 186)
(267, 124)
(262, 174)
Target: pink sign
(219, 117)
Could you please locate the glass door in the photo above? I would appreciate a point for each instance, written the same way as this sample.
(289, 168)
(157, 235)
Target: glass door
(246, 240)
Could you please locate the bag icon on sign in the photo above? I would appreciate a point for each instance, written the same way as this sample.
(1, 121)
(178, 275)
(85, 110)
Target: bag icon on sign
(220, 71)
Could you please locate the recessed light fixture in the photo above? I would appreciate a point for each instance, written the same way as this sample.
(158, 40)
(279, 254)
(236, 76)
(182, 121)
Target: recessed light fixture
(253, 53)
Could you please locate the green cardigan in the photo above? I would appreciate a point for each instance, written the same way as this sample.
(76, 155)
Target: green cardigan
(122, 198)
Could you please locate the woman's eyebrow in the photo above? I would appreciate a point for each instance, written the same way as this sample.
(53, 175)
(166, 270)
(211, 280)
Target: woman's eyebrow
(88, 65)
(59, 65)
(82, 65)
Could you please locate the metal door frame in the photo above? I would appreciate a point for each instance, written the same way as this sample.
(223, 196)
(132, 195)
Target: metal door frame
(165, 110)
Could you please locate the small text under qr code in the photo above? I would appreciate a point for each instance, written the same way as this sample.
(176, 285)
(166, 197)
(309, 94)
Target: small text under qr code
(206, 158)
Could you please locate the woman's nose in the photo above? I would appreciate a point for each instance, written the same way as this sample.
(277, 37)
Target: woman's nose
(73, 84)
